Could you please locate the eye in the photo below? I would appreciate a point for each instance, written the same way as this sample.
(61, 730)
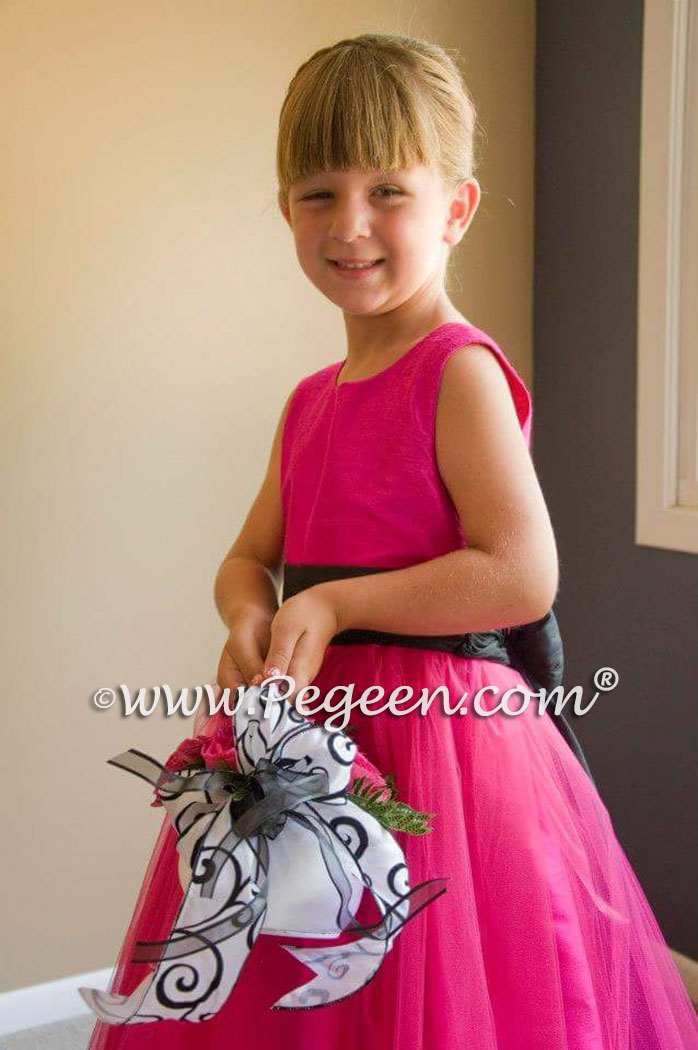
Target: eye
(390, 191)
(386, 192)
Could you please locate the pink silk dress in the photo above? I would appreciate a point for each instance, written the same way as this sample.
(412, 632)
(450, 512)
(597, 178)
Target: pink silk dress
(544, 939)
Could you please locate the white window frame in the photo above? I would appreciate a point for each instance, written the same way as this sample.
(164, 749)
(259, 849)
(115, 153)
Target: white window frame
(667, 410)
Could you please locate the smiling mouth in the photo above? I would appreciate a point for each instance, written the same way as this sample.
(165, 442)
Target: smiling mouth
(356, 265)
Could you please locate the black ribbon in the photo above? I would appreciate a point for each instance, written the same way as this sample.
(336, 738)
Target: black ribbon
(274, 794)
(534, 650)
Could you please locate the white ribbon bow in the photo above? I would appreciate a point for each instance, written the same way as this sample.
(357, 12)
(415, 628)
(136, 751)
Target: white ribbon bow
(292, 859)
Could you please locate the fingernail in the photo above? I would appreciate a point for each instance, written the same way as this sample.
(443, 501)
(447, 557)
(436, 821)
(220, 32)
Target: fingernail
(272, 672)
(256, 680)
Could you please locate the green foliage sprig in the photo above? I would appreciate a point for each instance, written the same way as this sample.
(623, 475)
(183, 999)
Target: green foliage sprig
(388, 811)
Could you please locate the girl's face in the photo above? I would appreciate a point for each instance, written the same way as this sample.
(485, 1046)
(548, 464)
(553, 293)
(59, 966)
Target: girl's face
(400, 223)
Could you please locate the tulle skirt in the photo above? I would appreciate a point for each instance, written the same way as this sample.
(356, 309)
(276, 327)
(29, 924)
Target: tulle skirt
(543, 940)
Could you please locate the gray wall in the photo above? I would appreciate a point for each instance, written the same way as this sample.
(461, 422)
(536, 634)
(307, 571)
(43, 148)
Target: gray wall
(633, 608)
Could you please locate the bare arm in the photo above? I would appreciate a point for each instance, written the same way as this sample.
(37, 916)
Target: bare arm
(508, 574)
(248, 580)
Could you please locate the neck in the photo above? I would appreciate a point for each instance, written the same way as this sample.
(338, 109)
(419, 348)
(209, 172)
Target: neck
(373, 339)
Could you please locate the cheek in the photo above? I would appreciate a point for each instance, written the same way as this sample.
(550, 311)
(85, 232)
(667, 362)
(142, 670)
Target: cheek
(416, 250)
(306, 236)
(414, 238)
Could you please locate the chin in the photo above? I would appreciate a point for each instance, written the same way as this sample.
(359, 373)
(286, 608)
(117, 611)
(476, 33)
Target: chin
(363, 308)
(360, 302)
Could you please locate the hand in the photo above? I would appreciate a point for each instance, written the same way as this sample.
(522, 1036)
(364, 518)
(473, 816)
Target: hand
(243, 653)
(300, 633)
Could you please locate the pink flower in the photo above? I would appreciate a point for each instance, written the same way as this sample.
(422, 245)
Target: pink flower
(371, 777)
(186, 754)
(218, 751)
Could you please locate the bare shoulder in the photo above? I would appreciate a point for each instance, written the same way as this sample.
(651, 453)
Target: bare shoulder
(475, 403)
(471, 372)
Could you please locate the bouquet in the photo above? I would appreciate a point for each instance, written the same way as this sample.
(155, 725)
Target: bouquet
(281, 826)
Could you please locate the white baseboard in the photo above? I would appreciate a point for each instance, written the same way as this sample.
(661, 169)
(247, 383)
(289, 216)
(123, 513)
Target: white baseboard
(45, 1003)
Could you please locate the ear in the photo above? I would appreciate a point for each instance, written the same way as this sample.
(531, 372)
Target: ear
(284, 209)
(464, 203)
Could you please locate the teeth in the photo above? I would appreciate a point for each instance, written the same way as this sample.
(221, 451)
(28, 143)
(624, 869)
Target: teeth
(355, 266)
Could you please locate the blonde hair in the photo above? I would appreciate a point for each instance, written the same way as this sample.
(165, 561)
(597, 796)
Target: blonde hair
(376, 101)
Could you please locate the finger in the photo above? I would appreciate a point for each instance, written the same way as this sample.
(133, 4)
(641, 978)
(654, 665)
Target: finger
(306, 660)
(284, 639)
(262, 639)
(229, 675)
(245, 654)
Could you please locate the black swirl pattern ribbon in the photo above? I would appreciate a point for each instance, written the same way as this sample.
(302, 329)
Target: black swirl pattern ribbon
(292, 857)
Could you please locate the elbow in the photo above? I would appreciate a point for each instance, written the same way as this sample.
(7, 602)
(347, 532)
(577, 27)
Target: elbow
(221, 583)
(538, 592)
(538, 607)
(218, 589)
(534, 579)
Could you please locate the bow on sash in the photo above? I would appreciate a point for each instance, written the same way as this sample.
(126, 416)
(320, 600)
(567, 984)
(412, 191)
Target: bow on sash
(292, 858)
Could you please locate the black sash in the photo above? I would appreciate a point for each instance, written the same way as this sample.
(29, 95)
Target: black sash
(533, 650)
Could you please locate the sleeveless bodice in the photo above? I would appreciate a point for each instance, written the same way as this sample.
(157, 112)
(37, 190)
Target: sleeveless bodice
(360, 483)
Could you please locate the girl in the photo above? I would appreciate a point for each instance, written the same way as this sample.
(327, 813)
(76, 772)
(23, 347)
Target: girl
(403, 512)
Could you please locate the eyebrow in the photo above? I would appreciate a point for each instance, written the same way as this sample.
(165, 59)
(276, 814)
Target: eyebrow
(387, 175)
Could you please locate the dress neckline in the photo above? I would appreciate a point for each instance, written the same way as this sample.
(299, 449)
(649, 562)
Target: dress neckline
(337, 368)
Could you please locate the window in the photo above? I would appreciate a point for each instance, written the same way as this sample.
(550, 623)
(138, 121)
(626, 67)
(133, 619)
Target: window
(667, 419)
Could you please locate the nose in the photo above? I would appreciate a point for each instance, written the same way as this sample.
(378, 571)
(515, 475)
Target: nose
(349, 221)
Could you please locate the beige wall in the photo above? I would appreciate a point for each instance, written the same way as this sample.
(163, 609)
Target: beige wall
(155, 319)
